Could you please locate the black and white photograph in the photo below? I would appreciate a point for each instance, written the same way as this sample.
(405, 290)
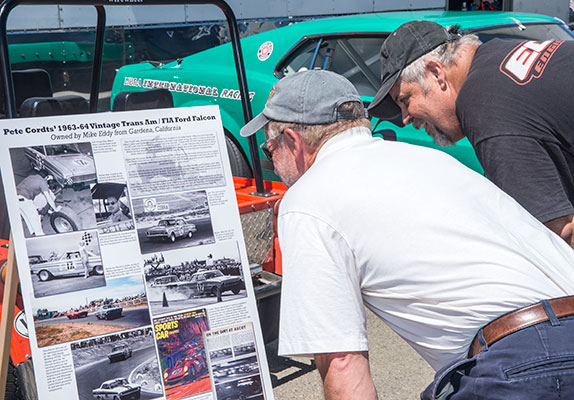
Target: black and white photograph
(53, 187)
(112, 207)
(220, 354)
(118, 306)
(122, 365)
(245, 388)
(67, 265)
(174, 221)
(235, 369)
(243, 349)
(186, 279)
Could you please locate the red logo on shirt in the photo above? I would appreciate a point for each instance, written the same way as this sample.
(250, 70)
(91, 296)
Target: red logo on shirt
(528, 60)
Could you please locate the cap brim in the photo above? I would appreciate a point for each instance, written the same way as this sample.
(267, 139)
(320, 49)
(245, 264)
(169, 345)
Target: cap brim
(383, 106)
(253, 126)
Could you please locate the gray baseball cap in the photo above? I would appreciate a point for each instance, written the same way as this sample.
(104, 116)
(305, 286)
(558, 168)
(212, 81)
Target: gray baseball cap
(408, 42)
(306, 97)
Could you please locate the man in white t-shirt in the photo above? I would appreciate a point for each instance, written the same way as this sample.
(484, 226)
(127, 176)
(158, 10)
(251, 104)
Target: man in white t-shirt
(433, 248)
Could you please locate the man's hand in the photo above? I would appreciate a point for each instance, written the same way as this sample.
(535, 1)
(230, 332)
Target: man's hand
(346, 376)
(564, 227)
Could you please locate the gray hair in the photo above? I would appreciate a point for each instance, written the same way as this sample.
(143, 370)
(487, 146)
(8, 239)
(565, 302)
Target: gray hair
(315, 135)
(446, 54)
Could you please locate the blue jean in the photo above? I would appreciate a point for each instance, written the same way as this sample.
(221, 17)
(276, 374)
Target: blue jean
(535, 363)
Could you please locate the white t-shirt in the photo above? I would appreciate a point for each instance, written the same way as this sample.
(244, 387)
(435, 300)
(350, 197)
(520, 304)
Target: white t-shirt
(433, 248)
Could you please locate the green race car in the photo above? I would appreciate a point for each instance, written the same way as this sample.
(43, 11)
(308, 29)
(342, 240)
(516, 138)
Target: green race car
(347, 45)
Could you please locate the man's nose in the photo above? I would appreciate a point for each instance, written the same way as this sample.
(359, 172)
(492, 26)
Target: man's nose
(407, 118)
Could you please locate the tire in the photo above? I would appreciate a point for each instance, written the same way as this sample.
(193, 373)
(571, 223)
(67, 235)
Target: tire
(64, 220)
(98, 270)
(218, 291)
(237, 160)
(236, 290)
(44, 275)
(12, 387)
(172, 238)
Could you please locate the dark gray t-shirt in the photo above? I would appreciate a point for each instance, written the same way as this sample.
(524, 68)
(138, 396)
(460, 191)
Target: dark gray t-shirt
(517, 108)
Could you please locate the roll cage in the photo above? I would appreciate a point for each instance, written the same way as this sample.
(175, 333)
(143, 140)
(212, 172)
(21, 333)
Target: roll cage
(7, 93)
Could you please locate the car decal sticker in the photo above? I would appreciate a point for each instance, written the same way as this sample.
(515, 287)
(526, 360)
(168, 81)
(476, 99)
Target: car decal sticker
(234, 94)
(265, 51)
(20, 325)
(181, 87)
(200, 90)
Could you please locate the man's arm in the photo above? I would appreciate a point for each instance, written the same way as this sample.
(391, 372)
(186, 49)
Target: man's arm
(51, 199)
(564, 227)
(346, 375)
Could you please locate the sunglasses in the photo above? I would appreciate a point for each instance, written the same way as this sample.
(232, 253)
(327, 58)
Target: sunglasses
(268, 153)
(110, 203)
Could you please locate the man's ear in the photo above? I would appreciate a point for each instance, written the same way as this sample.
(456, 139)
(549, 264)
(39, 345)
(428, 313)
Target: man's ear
(294, 141)
(437, 73)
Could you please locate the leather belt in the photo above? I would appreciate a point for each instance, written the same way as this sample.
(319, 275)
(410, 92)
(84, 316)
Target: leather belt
(520, 319)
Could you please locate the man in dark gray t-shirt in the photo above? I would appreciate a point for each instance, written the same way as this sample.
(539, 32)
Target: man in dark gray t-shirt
(513, 99)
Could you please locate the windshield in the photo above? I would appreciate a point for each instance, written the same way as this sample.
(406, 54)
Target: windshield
(519, 31)
(166, 222)
(62, 149)
(356, 57)
(118, 382)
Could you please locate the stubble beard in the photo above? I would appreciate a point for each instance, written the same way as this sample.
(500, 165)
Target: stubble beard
(287, 177)
(286, 171)
(437, 135)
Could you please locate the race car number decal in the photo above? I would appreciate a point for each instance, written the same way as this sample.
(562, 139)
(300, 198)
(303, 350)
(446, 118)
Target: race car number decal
(528, 60)
(20, 324)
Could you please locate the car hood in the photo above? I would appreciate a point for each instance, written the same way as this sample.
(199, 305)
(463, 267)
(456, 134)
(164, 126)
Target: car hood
(110, 309)
(73, 164)
(157, 229)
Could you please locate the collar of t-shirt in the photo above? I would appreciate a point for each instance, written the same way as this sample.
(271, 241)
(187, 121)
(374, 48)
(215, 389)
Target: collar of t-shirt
(341, 140)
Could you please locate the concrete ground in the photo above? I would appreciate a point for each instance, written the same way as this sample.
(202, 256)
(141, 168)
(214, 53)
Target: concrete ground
(399, 373)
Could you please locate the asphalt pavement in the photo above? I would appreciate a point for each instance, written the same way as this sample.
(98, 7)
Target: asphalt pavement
(398, 371)
(89, 377)
(136, 316)
(176, 302)
(203, 235)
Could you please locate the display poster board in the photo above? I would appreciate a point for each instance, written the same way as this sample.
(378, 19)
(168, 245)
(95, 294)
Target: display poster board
(131, 257)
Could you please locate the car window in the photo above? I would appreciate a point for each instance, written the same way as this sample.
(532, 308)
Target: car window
(40, 149)
(356, 58)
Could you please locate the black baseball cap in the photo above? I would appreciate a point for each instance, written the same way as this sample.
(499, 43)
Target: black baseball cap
(408, 42)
